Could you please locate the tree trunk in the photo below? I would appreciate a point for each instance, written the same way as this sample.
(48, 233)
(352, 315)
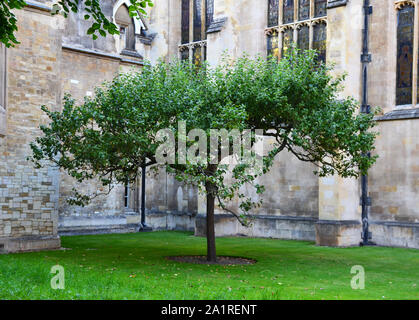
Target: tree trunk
(211, 253)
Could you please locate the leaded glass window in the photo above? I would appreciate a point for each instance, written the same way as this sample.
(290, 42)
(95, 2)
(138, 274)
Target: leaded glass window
(303, 41)
(197, 56)
(287, 39)
(197, 20)
(405, 32)
(196, 15)
(185, 21)
(273, 13)
(273, 45)
(319, 41)
(303, 22)
(209, 13)
(320, 8)
(184, 55)
(304, 10)
(288, 11)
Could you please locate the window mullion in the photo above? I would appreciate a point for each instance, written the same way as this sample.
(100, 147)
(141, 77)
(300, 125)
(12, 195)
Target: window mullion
(311, 9)
(281, 12)
(191, 20)
(203, 19)
(280, 22)
(280, 43)
(310, 28)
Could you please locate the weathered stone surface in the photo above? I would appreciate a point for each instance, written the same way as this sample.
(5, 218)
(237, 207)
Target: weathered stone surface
(29, 243)
(278, 227)
(395, 234)
(338, 233)
(28, 197)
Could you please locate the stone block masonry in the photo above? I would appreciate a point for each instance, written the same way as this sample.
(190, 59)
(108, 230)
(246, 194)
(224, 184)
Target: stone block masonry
(29, 196)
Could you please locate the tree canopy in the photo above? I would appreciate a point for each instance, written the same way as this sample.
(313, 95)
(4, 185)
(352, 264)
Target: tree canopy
(171, 111)
(100, 23)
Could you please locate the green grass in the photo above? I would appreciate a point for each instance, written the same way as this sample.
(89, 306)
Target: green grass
(133, 266)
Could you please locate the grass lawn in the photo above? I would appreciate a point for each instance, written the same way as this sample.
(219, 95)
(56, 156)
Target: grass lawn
(133, 266)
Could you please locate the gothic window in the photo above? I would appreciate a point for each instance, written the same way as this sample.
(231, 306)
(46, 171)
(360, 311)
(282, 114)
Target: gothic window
(196, 18)
(288, 11)
(126, 195)
(303, 41)
(320, 8)
(209, 13)
(273, 13)
(304, 10)
(405, 53)
(319, 40)
(303, 22)
(185, 21)
(287, 39)
(126, 28)
(273, 45)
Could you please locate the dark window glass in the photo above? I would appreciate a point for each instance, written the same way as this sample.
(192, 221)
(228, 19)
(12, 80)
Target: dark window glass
(273, 45)
(185, 21)
(209, 13)
(273, 10)
(319, 41)
(197, 56)
(320, 8)
(405, 30)
(197, 20)
(288, 11)
(184, 55)
(126, 195)
(287, 39)
(304, 38)
(303, 9)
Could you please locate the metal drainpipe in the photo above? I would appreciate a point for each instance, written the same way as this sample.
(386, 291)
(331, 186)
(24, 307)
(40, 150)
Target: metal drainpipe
(365, 108)
(143, 225)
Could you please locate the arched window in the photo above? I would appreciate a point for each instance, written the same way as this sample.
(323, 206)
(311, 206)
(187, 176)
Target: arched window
(303, 22)
(303, 37)
(405, 53)
(195, 20)
(126, 28)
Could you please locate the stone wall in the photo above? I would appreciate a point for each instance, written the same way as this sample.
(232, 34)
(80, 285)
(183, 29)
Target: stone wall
(86, 64)
(394, 180)
(28, 196)
(394, 184)
(81, 72)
